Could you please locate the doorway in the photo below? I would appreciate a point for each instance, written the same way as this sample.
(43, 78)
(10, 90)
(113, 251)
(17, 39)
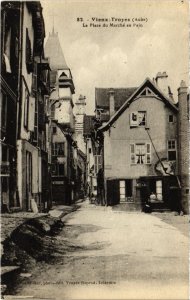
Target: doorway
(28, 180)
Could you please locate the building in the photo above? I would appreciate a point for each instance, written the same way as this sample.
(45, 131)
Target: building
(183, 144)
(140, 148)
(81, 174)
(79, 122)
(26, 71)
(10, 61)
(32, 159)
(62, 144)
(91, 157)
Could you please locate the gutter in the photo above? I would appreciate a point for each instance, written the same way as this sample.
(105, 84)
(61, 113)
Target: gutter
(19, 106)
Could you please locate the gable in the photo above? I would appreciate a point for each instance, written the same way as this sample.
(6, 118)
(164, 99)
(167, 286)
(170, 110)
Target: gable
(147, 89)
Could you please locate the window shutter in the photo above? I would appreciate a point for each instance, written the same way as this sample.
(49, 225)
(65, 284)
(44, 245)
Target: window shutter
(31, 116)
(148, 153)
(132, 153)
(134, 119)
(34, 78)
(28, 52)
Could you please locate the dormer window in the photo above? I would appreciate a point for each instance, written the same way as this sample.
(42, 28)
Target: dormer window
(138, 119)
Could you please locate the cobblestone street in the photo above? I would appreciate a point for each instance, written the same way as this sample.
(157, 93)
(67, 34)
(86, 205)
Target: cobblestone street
(117, 255)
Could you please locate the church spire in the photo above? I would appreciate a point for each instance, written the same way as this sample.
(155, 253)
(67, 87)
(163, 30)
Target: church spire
(54, 51)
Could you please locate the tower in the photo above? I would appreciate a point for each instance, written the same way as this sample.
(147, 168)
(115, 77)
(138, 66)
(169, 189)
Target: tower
(79, 127)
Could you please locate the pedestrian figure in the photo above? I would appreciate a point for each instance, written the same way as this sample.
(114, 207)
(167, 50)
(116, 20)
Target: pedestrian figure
(147, 208)
(152, 197)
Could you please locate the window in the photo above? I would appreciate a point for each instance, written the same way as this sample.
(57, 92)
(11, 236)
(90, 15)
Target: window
(53, 112)
(89, 150)
(26, 108)
(97, 163)
(140, 153)
(171, 118)
(54, 129)
(125, 190)
(122, 189)
(58, 149)
(138, 119)
(31, 114)
(58, 169)
(34, 77)
(147, 92)
(172, 150)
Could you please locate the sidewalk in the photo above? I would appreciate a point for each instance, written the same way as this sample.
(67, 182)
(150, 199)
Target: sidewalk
(44, 222)
(9, 221)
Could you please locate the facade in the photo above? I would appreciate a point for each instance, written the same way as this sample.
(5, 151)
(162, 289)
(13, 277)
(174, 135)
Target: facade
(10, 60)
(62, 144)
(140, 148)
(32, 159)
(28, 72)
(79, 122)
(81, 174)
(93, 157)
(183, 144)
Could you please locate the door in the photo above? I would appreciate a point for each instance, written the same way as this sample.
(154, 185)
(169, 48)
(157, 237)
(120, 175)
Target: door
(113, 192)
(28, 180)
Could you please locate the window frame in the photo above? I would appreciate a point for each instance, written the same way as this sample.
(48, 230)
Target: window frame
(133, 158)
(170, 115)
(55, 169)
(124, 190)
(54, 130)
(136, 123)
(55, 149)
(170, 148)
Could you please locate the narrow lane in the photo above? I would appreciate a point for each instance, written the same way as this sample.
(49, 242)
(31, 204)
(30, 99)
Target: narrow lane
(114, 255)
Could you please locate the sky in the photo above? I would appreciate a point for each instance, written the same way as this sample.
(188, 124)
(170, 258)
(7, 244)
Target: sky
(120, 56)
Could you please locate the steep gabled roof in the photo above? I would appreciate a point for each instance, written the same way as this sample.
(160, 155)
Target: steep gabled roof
(54, 51)
(120, 96)
(147, 83)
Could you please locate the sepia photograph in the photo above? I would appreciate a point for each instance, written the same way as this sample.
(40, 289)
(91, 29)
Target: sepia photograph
(94, 156)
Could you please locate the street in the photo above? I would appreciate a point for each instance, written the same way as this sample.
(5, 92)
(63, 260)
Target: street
(113, 255)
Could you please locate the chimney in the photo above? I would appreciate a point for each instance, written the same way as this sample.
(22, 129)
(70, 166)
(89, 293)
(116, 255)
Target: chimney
(162, 82)
(183, 145)
(111, 94)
